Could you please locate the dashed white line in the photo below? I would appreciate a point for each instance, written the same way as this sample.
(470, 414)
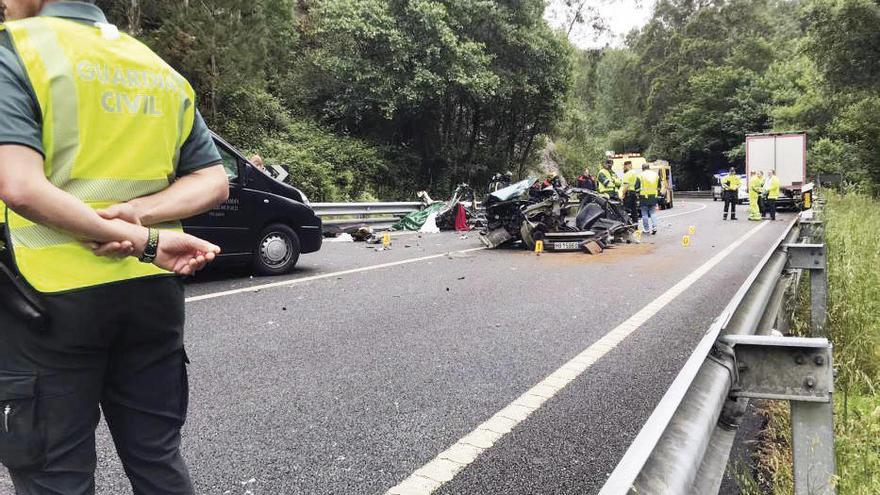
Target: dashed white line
(451, 461)
(285, 283)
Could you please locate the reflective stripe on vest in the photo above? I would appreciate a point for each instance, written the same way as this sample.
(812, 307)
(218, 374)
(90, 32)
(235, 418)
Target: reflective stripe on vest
(114, 116)
(650, 184)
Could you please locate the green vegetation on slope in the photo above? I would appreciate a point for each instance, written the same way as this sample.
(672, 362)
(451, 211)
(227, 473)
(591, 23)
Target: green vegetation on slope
(700, 76)
(381, 98)
(854, 327)
(376, 97)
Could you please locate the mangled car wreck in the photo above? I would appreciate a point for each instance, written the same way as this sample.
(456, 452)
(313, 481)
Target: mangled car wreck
(524, 212)
(458, 213)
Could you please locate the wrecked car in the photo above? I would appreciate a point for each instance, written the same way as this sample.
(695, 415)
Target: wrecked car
(529, 213)
(459, 212)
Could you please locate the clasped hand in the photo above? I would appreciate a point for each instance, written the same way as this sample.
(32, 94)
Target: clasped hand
(180, 253)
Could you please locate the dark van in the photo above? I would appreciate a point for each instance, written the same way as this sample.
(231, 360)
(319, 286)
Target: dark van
(265, 222)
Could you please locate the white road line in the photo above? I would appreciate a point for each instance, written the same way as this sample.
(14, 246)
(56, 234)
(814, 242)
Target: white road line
(285, 283)
(701, 208)
(450, 462)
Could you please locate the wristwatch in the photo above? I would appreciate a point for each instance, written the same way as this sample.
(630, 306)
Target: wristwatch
(152, 247)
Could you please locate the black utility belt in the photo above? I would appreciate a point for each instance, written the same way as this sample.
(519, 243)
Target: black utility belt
(20, 300)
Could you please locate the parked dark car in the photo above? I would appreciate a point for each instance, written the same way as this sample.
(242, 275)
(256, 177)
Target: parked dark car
(265, 222)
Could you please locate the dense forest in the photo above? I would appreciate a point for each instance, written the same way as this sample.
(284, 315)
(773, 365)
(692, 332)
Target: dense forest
(375, 99)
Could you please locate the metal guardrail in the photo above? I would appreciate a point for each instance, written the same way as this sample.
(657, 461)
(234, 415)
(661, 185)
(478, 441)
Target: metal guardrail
(693, 194)
(684, 446)
(375, 214)
(385, 214)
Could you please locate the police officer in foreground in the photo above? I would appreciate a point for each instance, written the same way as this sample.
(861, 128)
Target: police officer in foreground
(608, 183)
(730, 192)
(101, 153)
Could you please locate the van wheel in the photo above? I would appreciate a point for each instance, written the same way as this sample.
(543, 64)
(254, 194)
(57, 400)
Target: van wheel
(277, 250)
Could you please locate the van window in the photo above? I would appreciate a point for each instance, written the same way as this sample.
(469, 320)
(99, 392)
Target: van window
(230, 164)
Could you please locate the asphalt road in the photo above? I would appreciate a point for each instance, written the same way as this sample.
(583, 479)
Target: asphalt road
(346, 383)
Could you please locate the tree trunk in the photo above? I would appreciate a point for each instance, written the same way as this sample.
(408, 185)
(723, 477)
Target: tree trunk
(475, 131)
(525, 156)
(134, 18)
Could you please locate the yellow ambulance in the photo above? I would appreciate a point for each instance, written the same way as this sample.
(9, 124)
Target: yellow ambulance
(660, 166)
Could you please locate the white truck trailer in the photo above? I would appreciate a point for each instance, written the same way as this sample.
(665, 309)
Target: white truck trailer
(786, 154)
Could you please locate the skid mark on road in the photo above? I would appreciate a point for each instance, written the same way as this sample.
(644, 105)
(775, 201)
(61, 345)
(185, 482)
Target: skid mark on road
(450, 462)
(287, 283)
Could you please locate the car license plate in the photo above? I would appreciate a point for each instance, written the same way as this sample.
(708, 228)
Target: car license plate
(566, 246)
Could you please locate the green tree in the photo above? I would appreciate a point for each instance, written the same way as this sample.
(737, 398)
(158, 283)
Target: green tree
(707, 130)
(459, 88)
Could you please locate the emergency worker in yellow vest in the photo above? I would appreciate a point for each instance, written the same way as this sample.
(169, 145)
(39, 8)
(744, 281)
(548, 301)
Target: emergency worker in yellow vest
(772, 187)
(628, 191)
(648, 187)
(608, 182)
(754, 186)
(761, 195)
(730, 192)
(101, 153)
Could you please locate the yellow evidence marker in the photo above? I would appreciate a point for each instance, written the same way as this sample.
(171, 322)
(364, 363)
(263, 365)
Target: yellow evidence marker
(539, 247)
(638, 234)
(686, 241)
(386, 240)
(692, 230)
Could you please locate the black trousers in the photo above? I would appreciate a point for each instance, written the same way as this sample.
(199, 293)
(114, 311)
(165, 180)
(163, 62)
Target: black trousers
(730, 199)
(118, 348)
(631, 203)
(770, 207)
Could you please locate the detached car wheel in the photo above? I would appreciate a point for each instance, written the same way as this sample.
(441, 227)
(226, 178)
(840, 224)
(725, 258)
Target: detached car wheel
(277, 250)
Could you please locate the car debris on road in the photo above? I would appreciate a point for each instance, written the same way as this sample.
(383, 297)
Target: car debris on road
(527, 213)
(458, 213)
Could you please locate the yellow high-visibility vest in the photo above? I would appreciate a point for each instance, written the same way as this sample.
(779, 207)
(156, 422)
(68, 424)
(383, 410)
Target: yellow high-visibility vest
(607, 181)
(629, 178)
(773, 187)
(755, 185)
(115, 116)
(650, 184)
(731, 182)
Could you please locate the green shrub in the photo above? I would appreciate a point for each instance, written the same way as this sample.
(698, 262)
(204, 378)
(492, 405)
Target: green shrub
(325, 165)
(852, 221)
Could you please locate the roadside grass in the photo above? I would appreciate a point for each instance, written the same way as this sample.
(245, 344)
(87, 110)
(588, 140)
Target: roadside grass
(852, 222)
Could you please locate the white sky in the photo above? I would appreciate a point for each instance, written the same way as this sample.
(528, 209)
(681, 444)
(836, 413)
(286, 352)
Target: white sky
(620, 16)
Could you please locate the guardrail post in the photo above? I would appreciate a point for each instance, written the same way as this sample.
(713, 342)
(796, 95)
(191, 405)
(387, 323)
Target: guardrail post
(812, 442)
(798, 370)
(812, 257)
